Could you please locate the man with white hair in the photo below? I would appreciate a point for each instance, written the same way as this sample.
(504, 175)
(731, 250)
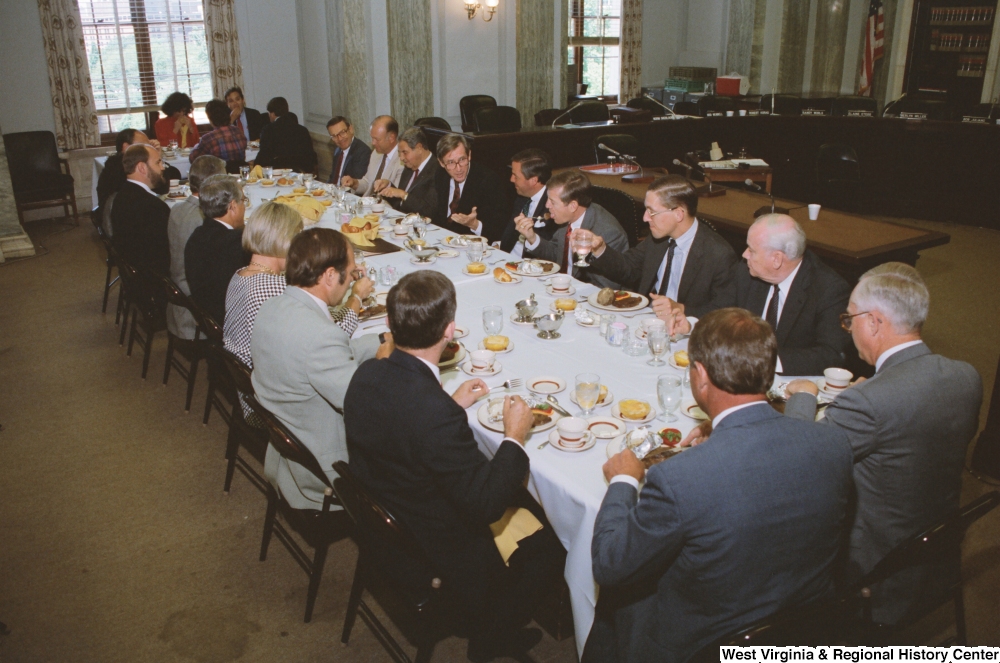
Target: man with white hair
(790, 288)
(909, 426)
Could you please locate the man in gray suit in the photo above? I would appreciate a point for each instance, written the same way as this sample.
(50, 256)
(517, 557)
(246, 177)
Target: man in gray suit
(570, 203)
(303, 362)
(728, 532)
(909, 426)
(185, 216)
(384, 166)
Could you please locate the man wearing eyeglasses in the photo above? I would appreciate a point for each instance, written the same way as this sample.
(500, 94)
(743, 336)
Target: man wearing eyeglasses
(470, 196)
(351, 155)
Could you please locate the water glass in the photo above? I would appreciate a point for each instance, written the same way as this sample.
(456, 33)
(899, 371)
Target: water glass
(634, 346)
(268, 172)
(659, 343)
(583, 240)
(475, 251)
(606, 320)
(387, 275)
(493, 319)
(588, 390)
(668, 392)
(244, 173)
(617, 332)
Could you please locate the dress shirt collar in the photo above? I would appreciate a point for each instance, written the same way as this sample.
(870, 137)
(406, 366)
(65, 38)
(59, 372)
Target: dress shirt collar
(685, 241)
(893, 350)
(319, 302)
(424, 164)
(434, 369)
(392, 155)
(575, 225)
(725, 413)
(228, 226)
(143, 185)
(537, 197)
(786, 285)
(243, 121)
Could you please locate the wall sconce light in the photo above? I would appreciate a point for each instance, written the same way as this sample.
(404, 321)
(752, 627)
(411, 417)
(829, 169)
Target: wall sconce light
(473, 7)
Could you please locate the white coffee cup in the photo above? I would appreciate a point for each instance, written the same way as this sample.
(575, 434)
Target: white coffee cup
(729, 113)
(649, 324)
(573, 430)
(482, 360)
(743, 112)
(400, 230)
(378, 208)
(560, 283)
(174, 184)
(814, 211)
(837, 378)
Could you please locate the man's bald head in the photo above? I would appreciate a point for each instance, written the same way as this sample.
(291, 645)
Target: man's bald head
(384, 133)
(775, 246)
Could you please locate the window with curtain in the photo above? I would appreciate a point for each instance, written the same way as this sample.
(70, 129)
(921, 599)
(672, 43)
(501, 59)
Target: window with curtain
(594, 30)
(139, 52)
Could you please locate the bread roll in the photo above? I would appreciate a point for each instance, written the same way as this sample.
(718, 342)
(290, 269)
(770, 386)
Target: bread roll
(496, 343)
(566, 304)
(501, 274)
(681, 359)
(633, 409)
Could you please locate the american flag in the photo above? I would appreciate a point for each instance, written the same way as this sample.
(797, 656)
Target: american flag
(874, 44)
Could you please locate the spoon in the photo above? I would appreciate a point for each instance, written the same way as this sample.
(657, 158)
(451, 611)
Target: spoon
(554, 402)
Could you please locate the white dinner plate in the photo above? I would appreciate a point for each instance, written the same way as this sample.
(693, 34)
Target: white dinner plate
(510, 346)
(605, 427)
(465, 270)
(545, 384)
(592, 299)
(616, 413)
(556, 442)
(447, 253)
(560, 293)
(483, 414)
(555, 309)
(468, 370)
(460, 332)
(595, 323)
(692, 411)
(548, 266)
(459, 356)
(608, 399)
(673, 362)
(514, 278)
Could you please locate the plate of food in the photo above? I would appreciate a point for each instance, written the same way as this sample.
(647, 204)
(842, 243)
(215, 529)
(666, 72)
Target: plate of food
(532, 267)
(633, 411)
(475, 269)
(176, 194)
(545, 385)
(372, 312)
(457, 241)
(267, 183)
(605, 428)
(692, 411)
(453, 353)
(608, 299)
(679, 360)
(287, 181)
(606, 397)
(447, 253)
(501, 275)
(497, 343)
(490, 414)
(564, 304)
(652, 457)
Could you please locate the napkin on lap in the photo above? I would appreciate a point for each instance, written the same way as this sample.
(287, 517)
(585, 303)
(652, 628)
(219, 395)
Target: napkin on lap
(516, 524)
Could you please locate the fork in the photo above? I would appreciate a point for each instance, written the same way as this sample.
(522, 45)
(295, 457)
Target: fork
(514, 383)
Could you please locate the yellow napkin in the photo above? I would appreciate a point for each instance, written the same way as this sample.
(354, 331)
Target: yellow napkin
(359, 239)
(184, 135)
(515, 525)
(256, 173)
(310, 208)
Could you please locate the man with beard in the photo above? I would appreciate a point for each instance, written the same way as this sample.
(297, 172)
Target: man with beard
(139, 217)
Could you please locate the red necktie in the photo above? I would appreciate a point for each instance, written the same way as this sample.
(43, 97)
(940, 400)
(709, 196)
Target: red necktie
(456, 198)
(239, 123)
(413, 179)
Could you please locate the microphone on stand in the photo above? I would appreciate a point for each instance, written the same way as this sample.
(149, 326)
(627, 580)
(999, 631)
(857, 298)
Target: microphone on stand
(564, 114)
(661, 104)
(712, 192)
(631, 177)
(688, 168)
(765, 209)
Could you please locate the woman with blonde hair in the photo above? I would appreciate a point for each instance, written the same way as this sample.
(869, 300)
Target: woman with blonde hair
(267, 234)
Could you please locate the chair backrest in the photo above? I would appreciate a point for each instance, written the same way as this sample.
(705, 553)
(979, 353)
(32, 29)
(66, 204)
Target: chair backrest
(784, 104)
(934, 544)
(238, 371)
(105, 211)
(622, 207)
(546, 116)
(376, 524)
(624, 143)
(645, 103)
(30, 154)
(207, 325)
(433, 122)
(590, 111)
(285, 442)
(686, 108)
(810, 625)
(711, 103)
(498, 120)
(842, 105)
(934, 109)
(468, 106)
(837, 162)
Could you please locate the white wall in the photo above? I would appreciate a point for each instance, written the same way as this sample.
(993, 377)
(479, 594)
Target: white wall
(682, 33)
(25, 100)
(269, 47)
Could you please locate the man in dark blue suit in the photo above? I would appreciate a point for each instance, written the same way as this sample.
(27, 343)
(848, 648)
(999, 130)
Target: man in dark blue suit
(351, 154)
(530, 170)
(730, 531)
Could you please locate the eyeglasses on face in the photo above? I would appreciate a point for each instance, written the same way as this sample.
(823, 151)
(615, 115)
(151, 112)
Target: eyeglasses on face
(653, 214)
(458, 162)
(847, 319)
(340, 134)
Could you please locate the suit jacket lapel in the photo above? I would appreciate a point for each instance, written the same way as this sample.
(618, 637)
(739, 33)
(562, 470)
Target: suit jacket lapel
(404, 179)
(795, 299)
(540, 207)
(757, 296)
(693, 264)
(651, 266)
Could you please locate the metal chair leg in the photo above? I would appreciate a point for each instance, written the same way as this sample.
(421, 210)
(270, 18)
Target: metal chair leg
(192, 374)
(170, 356)
(232, 448)
(319, 560)
(148, 350)
(131, 333)
(107, 287)
(357, 587)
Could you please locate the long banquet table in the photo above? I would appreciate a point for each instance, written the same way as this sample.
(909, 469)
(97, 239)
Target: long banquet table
(569, 486)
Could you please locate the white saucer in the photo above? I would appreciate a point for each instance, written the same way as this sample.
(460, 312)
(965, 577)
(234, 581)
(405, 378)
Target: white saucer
(545, 384)
(692, 411)
(555, 309)
(560, 293)
(556, 441)
(468, 370)
(510, 346)
(514, 278)
(465, 270)
(673, 363)
(460, 332)
(595, 323)
(616, 413)
(513, 318)
(605, 428)
(608, 399)
(429, 261)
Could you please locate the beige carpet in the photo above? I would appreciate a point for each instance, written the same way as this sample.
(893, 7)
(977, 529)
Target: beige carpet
(118, 544)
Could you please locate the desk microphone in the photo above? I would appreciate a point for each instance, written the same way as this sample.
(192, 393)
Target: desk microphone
(687, 167)
(631, 177)
(765, 209)
(712, 191)
(564, 114)
(661, 104)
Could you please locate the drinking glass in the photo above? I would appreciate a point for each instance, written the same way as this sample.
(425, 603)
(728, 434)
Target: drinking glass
(418, 230)
(268, 173)
(583, 240)
(244, 173)
(307, 178)
(668, 391)
(611, 164)
(492, 319)
(475, 251)
(606, 321)
(588, 390)
(172, 145)
(659, 343)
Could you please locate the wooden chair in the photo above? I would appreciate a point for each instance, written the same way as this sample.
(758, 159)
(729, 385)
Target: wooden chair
(935, 545)
(378, 531)
(218, 382)
(191, 350)
(247, 432)
(38, 176)
(318, 528)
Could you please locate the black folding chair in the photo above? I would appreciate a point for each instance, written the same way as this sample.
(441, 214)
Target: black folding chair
(191, 350)
(218, 381)
(147, 307)
(245, 429)
(378, 531)
(318, 528)
(936, 545)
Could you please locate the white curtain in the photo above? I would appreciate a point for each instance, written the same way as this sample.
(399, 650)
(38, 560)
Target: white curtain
(630, 50)
(223, 46)
(69, 74)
